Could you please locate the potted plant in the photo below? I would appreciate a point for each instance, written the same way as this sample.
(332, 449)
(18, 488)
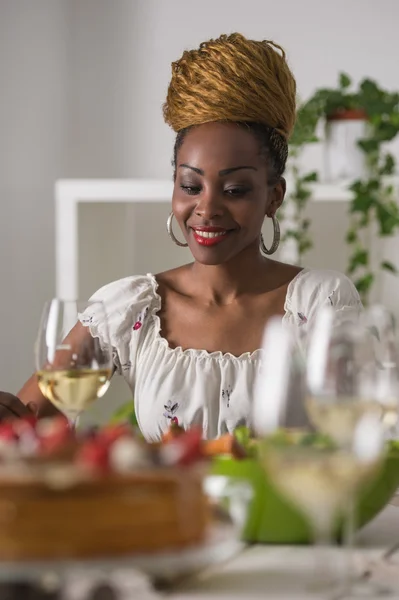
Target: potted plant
(373, 207)
(346, 123)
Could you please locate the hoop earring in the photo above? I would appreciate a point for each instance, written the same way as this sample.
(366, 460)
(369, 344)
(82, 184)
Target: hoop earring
(170, 231)
(276, 238)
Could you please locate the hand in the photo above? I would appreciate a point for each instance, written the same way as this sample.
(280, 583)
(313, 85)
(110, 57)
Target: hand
(11, 407)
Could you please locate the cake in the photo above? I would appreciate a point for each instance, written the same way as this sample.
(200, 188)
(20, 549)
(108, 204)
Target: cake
(107, 494)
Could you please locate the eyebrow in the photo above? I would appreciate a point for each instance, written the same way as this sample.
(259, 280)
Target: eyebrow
(222, 173)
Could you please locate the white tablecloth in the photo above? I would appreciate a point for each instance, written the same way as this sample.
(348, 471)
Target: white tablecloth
(281, 572)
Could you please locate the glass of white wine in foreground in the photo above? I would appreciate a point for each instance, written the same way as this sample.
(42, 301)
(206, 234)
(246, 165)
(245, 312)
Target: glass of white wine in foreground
(316, 476)
(384, 372)
(73, 367)
(345, 403)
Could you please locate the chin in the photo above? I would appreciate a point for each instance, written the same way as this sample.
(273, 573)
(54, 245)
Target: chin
(211, 258)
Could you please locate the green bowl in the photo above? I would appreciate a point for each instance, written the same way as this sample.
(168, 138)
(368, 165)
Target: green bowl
(273, 520)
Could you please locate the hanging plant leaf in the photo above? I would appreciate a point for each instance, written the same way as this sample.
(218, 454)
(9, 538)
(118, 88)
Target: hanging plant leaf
(362, 203)
(388, 266)
(368, 146)
(310, 177)
(304, 246)
(363, 284)
(388, 166)
(388, 217)
(344, 81)
(351, 236)
(359, 258)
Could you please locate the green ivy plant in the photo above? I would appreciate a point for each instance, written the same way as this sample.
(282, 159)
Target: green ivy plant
(373, 202)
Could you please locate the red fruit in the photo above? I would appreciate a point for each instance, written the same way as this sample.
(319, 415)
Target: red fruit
(184, 449)
(111, 433)
(24, 424)
(53, 433)
(30, 420)
(7, 432)
(94, 455)
(174, 421)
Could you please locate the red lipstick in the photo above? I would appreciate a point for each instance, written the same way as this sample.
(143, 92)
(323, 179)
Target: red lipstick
(209, 236)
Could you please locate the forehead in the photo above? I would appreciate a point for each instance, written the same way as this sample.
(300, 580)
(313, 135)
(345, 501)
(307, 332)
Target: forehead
(222, 144)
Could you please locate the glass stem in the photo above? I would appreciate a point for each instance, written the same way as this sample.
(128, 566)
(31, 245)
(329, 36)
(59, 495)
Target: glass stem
(73, 420)
(349, 573)
(322, 539)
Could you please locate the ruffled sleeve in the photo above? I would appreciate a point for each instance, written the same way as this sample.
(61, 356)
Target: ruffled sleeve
(127, 304)
(312, 289)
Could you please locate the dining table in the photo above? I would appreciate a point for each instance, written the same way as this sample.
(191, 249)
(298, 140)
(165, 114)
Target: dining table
(246, 571)
(283, 572)
(254, 572)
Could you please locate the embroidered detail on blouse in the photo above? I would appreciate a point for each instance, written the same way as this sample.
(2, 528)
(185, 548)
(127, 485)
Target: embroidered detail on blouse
(127, 365)
(170, 409)
(86, 320)
(140, 320)
(226, 394)
(302, 318)
(330, 297)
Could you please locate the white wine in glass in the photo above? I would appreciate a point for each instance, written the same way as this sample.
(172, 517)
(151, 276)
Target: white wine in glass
(73, 367)
(383, 374)
(319, 478)
(343, 402)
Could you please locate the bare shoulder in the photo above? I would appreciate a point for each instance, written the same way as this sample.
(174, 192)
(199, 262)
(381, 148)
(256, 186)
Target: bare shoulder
(283, 273)
(174, 279)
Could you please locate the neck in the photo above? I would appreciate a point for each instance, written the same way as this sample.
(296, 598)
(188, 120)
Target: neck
(224, 283)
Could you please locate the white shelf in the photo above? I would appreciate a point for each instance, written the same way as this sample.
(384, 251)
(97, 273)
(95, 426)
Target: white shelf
(142, 190)
(70, 193)
(113, 190)
(328, 192)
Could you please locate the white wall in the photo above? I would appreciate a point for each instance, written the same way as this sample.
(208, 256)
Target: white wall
(82, 85)
(320, 38)
(33, 123)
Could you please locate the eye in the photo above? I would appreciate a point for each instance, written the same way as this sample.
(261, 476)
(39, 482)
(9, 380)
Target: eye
(237, 192)
(190, 190)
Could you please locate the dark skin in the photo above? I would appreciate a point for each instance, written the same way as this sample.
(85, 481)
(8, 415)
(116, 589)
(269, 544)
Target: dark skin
(221, 301)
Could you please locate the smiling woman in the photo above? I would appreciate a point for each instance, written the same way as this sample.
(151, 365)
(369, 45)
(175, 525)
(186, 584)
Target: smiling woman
(187, 340)
(224, 187)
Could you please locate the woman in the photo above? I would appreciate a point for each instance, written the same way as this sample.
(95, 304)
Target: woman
(187, 340)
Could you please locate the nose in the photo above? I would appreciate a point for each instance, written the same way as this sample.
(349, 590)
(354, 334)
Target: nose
(209, 205)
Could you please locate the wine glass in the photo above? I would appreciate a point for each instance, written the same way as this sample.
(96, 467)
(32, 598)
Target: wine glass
(383, 373)
(73, 367)
(319, 478)
(342, 382)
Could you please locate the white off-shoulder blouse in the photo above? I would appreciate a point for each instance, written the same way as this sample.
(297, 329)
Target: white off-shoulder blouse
(212, 390)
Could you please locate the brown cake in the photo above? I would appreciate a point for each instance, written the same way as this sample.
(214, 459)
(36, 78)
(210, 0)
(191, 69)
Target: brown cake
(59, 505)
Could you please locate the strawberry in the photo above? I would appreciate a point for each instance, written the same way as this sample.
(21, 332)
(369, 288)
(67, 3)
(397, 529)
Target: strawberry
(93, 454)
(184, 449)
(111, 433)
(53, 433)
(7, 432)
(24, 424)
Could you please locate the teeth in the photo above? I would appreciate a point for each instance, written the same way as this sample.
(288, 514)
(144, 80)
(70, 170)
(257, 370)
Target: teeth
(210, 234)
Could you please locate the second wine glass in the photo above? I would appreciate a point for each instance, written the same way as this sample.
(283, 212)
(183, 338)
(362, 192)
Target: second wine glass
(73, 367)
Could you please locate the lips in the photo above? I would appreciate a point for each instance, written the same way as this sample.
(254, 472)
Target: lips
(209, 236)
